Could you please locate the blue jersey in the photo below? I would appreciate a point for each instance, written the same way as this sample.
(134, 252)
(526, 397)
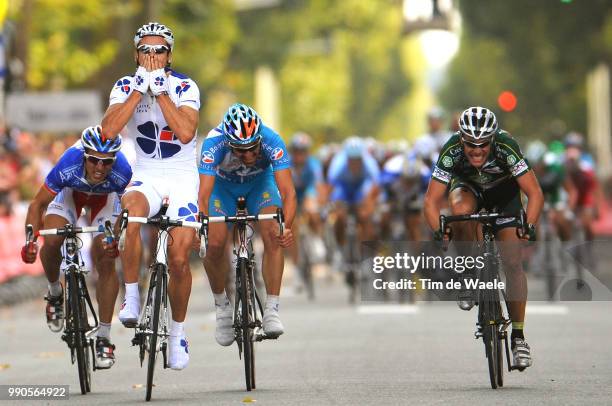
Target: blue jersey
(70, 172)
(306, 178)
(216, 158)
(339, 173)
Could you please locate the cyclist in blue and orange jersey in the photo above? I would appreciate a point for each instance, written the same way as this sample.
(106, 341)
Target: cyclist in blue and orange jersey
(405, 179)
(580, 168)
(244, 157)
(91, 175)
(159, 107)
(308, 181)
(482, 166)
(354, 180)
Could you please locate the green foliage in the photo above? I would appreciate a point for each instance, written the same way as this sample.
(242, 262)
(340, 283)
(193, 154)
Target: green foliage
(542, 51)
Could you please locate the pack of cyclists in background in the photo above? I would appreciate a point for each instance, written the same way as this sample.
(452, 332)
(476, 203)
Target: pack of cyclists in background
(88, 180)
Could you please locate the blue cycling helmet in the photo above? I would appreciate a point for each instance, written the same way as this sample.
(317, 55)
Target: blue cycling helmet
(91, 138)
(241, 125)
(354, 147)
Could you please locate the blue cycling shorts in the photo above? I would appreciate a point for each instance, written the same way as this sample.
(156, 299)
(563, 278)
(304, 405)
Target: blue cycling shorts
(351, 194)
(259, 193)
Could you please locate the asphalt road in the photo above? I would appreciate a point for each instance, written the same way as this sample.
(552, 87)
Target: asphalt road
(337, 354)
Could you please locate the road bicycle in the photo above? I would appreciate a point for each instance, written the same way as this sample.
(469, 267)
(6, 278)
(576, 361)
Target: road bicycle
(248, 310)
(78, 332)
(492, 324)
(151, 330)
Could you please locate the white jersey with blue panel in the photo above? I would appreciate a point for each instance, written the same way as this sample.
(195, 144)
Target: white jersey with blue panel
(216, 158)
(156, 143)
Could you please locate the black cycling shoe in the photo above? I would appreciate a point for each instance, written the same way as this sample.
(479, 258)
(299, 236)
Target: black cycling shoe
(105, 353)
(55, 312)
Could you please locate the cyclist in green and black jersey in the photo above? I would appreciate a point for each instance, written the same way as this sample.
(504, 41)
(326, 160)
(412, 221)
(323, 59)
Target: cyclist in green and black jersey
(482, 167)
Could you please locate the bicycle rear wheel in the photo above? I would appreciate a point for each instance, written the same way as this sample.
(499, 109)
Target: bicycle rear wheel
(247, 330)
(80, 342)
(157, 281)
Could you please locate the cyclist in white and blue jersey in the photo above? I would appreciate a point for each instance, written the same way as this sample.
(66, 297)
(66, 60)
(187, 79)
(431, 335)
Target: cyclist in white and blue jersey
(91, 175)
(159, 107)
(353, 177)
(243, 157)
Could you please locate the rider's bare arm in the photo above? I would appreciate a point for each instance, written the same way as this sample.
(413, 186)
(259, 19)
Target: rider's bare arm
(434, 198)
(37, 208)
(284, 181)
(530, 186)
(207, 182)
(183, 121)
(117, 115)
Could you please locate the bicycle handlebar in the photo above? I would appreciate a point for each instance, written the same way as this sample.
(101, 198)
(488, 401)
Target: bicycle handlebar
(69, 230)
(521, 228)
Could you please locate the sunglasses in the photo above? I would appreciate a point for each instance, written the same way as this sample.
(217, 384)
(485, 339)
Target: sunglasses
(157, 49)
(241, 151)
(475, 146)
(94, 160)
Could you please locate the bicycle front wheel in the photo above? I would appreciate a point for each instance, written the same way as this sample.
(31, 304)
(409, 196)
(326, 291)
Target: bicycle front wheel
(247, 328)
(157, 281)
(490, 316)
(77, 312)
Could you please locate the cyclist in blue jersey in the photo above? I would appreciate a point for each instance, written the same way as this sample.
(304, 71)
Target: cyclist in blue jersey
(308, 180)
(159, 107)
(244, 157)
(91, 175)
(354, 180)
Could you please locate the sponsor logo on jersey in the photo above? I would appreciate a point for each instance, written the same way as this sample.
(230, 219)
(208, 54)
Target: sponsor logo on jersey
(207, 157)
(188, 213)
(159, 81)
(511, 160)
(217, 203)
(441, 175)
(155, 142)
(519, 168)
(123, 85)
(134, 183)
(266, 195)
(277, 153)
(182, 88)
(139, 79)
(447, 161)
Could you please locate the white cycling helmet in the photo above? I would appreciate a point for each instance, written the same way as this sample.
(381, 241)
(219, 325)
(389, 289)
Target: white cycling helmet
(535, 151)
(478, 123)
(155, 29)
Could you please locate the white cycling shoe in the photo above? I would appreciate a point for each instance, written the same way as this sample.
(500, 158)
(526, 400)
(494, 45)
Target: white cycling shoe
(178, 355)
(224, 333)
(272, 325)
(128, 313)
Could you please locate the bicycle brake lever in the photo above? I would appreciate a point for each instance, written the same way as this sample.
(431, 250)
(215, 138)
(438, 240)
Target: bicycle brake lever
(108, 232)
(123, 227)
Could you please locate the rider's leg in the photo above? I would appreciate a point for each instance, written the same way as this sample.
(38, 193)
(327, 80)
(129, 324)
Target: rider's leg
(138, 206)
(463, 201)
(179, 290)
(510, 248)
(106, 294)
(272, 264)
(51, 258)
(217, 267)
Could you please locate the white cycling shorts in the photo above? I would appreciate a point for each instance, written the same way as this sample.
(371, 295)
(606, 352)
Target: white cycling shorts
(180, 186)
(96, 209)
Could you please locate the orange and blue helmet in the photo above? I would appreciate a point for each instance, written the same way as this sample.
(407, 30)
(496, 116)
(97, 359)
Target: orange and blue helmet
(241, 125)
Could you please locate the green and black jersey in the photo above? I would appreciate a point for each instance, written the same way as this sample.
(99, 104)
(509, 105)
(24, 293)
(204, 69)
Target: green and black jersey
(505, 162)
